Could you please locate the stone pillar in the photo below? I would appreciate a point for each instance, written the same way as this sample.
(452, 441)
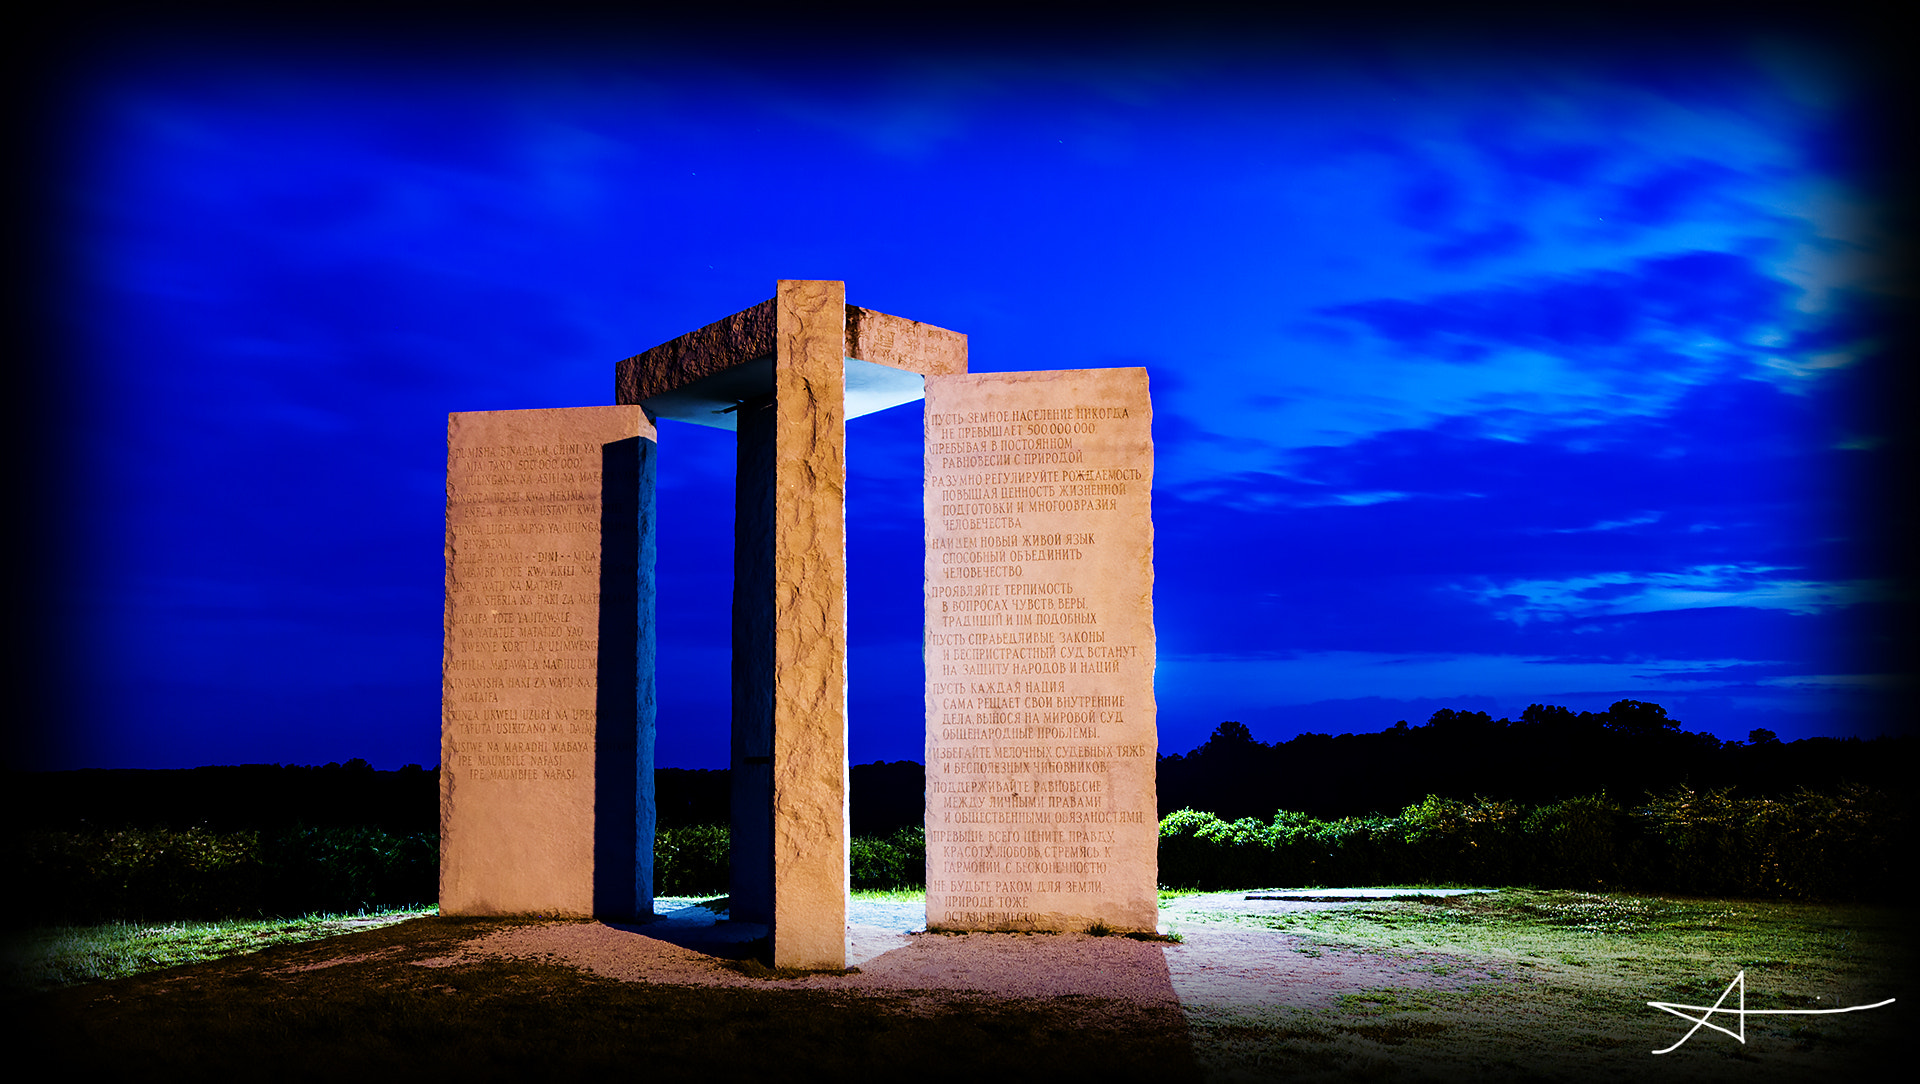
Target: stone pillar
(810, 820)
(547, 711)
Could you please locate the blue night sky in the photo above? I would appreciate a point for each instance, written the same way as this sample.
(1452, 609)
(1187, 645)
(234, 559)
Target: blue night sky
(1487, 372)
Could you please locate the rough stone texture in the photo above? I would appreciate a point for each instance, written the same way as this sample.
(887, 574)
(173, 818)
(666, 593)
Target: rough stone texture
(1041, 810)
(723, 344)
(546, 767)
(749, 334)
(810, 820)
(905, 344)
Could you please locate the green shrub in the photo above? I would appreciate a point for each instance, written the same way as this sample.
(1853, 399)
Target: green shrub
(350, 868)
(1351, 851)
(164, 874)
(693, 861)
(690, 861)
(1848, 844)
(159, 874)
(1454, 840)
(1199, 850)
(1589, 842)
(1851, 844)
(897, 861)
(92, 875)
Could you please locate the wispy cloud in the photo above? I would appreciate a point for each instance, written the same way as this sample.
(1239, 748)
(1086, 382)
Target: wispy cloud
(1641, 520)
(1366, 690)
(1700, 587)
(1640, 336)
(1306, 677)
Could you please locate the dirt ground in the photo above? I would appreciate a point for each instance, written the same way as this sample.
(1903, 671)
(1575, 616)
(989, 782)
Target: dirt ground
(1260, 1004)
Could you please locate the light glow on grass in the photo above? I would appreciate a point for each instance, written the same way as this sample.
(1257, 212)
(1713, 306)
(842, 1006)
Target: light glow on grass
(54, 956)
(1560, 981)
(889, 895)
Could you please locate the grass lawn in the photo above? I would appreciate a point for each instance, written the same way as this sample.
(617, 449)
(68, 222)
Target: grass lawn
(48, 957)
(1554, 985)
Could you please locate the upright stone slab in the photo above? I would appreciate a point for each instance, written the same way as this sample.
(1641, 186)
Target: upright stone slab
(547, 716)
(1041, 808)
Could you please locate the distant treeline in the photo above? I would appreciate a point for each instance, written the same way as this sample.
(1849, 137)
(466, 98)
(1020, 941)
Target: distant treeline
(1550, 754)
(232, 797)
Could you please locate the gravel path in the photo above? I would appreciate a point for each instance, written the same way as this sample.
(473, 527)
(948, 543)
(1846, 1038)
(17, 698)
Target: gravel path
(1223, 961)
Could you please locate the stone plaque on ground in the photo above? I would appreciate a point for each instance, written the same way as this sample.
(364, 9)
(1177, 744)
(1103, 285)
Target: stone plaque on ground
(1041, 809)
(546, 770)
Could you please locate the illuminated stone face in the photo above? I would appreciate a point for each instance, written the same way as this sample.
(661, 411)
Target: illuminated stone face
(1041, 730)
(546, 756)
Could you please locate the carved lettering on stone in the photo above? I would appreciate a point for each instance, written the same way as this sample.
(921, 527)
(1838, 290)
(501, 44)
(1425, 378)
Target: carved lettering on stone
(1041, 808)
